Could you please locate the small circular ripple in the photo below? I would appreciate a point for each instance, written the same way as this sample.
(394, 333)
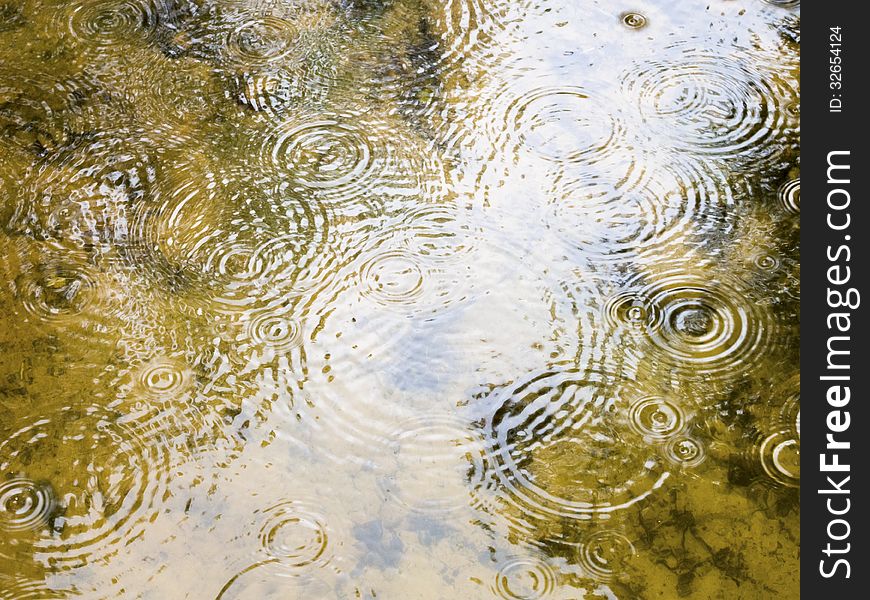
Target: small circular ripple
(392, 277)
(565, 125)
(789, 195)
(605, 553)
(262, 39)
(780, 458)
(107, 481)
(294, 535)
(706, 103)
(569, 421)
(766, 262)
(164, 378)
(24, 504)
(434, 455)
(524, 579)
(275, 330)
(685, 451)
(633, 20)
(628, 308)
(656, 418)
(57, 291)
(107, 22)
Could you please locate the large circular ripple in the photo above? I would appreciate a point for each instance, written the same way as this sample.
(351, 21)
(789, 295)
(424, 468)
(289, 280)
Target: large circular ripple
(563, 125)
(349, 161)
(700, 327)
(702, 102)
(262, 39)
(418, 269)
(106, 479)
(110, 22)
(433, 457)
(556, 446)
(628, 206)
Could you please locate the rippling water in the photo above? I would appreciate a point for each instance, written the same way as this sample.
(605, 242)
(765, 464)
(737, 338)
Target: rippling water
(399, 299)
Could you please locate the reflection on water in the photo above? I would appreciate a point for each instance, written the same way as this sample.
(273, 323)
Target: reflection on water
(399, 299)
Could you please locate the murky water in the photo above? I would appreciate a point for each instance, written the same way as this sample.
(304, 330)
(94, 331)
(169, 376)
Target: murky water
(399, 299)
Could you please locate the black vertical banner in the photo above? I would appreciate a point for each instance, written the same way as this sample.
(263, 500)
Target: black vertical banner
(834, 270)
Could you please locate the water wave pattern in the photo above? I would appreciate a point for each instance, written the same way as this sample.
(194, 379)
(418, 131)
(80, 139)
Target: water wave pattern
(234, 249)
(106, 23)
(779, 455)
(784, 3)
(269, 580)
(294, 535)
(273, 33)
(355, 423)
(524, 578)
(562, 125)
(605, 553)
(629, 210)
(789, 195)
(275, 90)
(45, 111)
(567, 420)
(25, 505)
(23, 589)
(789, 417)
(470, 29)
(701, 102)
(107, 480)
(81, 195)
(351, 162)
(160, 396)
(702, 327)
(419, 269)
(434, 456)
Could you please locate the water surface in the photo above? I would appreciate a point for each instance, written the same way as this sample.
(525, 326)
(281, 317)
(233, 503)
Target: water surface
(403, 299)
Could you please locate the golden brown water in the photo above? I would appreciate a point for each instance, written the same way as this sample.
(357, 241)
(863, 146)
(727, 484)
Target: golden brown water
(399, 299)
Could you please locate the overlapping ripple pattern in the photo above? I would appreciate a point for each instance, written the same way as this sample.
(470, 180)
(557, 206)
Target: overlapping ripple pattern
(399, 299)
